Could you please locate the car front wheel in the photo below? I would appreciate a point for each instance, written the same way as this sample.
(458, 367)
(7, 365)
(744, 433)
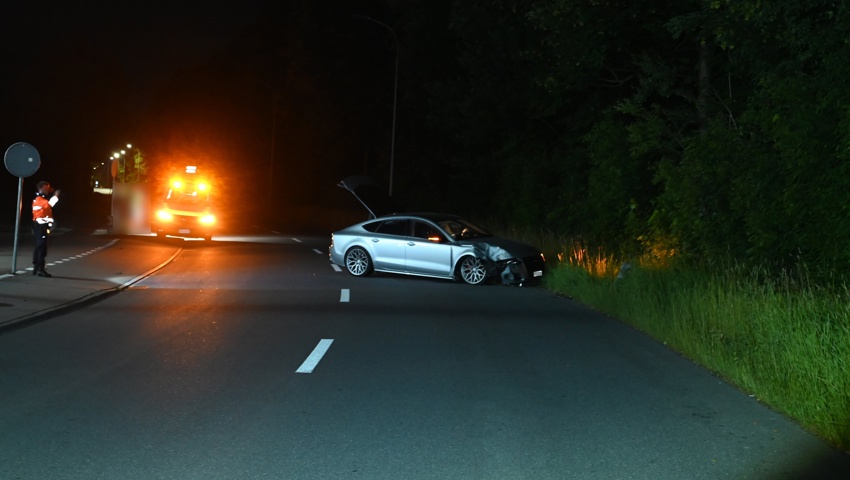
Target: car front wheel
(357, 262)
(472, 270)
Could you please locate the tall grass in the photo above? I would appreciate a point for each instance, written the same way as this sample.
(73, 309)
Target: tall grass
(779, 338)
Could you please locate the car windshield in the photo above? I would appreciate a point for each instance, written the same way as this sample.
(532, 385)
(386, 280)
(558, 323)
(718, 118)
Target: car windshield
(461, 229)
(184, 201)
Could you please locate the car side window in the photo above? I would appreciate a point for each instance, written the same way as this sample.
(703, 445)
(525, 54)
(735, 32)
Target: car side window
(372, 227)
(427, 232)
(393, 227)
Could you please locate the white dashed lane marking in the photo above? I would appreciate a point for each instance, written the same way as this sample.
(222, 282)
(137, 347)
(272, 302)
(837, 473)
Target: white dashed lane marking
(344, 295)
(68, 259)
(317, 251)
(336, 267)
(316, 356)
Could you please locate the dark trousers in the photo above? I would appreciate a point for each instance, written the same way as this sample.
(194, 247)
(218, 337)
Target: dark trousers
(40, 252)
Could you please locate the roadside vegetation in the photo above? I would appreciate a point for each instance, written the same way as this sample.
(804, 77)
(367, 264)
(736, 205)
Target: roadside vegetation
(775, 335)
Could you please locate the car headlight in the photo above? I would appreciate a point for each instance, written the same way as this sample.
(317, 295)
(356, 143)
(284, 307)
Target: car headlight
(164, 216)
(208, 219)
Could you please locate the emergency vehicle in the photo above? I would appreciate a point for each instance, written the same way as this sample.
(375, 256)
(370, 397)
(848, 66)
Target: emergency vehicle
(186, 210)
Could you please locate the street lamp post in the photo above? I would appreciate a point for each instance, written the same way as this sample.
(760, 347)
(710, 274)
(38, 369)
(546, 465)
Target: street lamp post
(122, 163)
(271, 153)
(274, 102)
(395, 95)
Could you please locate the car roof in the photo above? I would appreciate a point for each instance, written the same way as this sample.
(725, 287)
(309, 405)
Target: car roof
(432, 216)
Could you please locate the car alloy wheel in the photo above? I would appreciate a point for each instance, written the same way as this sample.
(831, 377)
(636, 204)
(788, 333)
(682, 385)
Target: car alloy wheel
(472, 270)
(357, 262)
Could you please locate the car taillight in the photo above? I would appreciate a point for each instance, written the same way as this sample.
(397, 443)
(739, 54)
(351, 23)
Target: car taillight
(165, 216)
(208, 219)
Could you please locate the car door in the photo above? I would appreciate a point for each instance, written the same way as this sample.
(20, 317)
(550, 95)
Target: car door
(388, 244)
(428, 251)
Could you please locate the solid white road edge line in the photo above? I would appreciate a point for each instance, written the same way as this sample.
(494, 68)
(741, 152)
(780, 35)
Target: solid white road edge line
(316, 356)
(344, 295)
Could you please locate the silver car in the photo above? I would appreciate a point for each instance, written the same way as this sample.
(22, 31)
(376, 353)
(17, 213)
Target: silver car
(430, 245)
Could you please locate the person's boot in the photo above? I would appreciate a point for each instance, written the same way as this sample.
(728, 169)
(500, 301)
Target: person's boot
(43, 273)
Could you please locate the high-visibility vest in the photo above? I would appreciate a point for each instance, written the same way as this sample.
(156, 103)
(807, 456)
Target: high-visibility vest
(42, 208)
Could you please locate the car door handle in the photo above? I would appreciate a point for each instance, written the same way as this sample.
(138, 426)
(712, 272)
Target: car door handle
(375, 240)
(411, 244)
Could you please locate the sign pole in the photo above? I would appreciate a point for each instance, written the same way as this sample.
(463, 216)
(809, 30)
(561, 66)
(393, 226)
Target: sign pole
(17, 224)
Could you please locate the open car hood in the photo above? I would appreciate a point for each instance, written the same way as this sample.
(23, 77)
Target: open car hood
(367, 191)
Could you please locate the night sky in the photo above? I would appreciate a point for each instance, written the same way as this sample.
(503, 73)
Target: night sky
(154, 37)
(80, 80)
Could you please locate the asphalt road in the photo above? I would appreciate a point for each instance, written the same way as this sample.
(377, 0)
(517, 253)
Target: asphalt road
(250, 357)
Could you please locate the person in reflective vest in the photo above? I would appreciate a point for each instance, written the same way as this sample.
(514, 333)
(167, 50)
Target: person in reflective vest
(42, 222)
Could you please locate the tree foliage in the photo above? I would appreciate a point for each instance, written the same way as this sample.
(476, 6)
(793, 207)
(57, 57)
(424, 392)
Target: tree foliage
(718, 127)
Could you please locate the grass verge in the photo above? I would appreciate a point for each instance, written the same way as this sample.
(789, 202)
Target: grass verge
(778, 338)
(786, 344)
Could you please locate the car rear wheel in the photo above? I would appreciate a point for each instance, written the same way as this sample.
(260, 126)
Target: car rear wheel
(472, 270)
(357, 262)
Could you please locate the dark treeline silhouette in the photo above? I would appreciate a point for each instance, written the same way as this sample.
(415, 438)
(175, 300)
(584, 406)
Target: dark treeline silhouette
(712, 129)
(709, 129)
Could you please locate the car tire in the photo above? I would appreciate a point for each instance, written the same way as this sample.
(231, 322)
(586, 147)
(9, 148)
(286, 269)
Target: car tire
(472, 270)
(358, 262)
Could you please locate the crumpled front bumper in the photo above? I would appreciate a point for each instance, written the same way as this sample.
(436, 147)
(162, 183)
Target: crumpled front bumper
(520, 272)
(511, 268)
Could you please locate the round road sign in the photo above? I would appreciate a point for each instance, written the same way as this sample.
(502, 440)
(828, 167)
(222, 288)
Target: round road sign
(22, 160)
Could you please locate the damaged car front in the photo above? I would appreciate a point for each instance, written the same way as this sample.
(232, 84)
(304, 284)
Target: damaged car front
(514, 263)
(519, 266)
